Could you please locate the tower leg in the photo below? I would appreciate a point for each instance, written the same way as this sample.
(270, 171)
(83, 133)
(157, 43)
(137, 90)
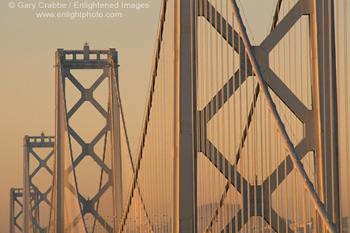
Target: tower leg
(185, 107)
(323, 69)
(116, 143)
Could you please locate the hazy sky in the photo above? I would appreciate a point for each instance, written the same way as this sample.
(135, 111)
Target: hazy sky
(27, 87)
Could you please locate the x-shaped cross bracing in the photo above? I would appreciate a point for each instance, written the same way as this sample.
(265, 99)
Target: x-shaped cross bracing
(42, 195)
(88, 148)
(259, 197)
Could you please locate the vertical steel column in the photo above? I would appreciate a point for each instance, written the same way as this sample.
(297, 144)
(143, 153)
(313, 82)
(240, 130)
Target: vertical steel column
(324, 95)
(59, 146)
(12, 211)
(185, 106)
(27, 216)
(35, 213)
(115, 140)
(16, 200)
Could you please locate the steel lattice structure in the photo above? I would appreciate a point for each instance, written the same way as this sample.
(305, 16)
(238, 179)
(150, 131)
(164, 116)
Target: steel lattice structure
(64, 66)
(321, 114)
(190, 123)
(189, 119)
(16, 209)
(32, 146)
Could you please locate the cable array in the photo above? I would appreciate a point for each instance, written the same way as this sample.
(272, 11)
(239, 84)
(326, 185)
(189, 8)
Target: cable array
(153, 178)
(271, 127)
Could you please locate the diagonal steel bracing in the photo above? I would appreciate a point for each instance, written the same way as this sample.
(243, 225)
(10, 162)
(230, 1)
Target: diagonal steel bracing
(306, 116)
(112, 128)
(217, 102)
(16, 209)
(237, 157)
(32, 146)
(87, 95)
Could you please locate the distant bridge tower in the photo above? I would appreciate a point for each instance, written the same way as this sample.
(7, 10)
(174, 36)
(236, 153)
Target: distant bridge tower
(17, 217)
(16, 210)
(37, 152)
(67, 157)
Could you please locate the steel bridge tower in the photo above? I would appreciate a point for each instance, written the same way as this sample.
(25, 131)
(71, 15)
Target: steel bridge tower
(66, 62)
(320, 122)
(28, 203)
(31, 156)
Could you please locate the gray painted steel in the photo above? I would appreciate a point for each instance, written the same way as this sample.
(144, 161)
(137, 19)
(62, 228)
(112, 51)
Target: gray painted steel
(184, 148)
(64, 65)
(31, 153)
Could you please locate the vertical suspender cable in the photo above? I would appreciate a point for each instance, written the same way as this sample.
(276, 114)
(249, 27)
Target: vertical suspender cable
(211, 129)
(332, 117)
(276, 138)
(200, 135)
(223, 142)
(235, 203)
(337, 39)
(126, 140)
(232, 201)
(206, 61)
(146, 119)
(346, 104)
(216, 133)
(240, 129)
(276, 165)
